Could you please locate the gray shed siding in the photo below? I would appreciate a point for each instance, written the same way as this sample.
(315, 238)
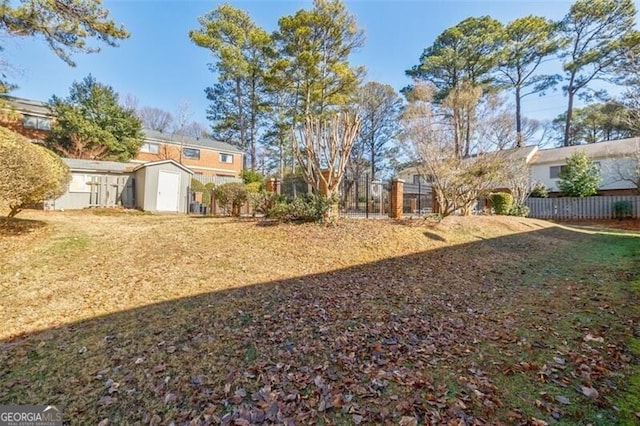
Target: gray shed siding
(140, 188)
(147, 178)
(99, 190)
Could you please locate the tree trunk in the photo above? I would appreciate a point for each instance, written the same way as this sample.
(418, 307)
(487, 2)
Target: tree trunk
(456, 131)
(373, 159)
(518, 119)
(14, 210)
(252, 130)
(567, 126)
(243, 140)
(467, 136)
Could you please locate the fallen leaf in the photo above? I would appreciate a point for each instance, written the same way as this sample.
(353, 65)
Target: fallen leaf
(591, 338)
(589, 392)
(107, 400)
(170, 398)
(408, 421)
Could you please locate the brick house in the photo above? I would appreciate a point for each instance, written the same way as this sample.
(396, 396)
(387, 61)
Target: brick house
(206, 157)
(30, 118)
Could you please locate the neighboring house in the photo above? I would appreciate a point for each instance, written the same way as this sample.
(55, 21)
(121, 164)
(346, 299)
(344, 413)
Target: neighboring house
(160, 186)
(206, 157)
(203, 156)
(30, 118)
(616, 160)
(417, 195)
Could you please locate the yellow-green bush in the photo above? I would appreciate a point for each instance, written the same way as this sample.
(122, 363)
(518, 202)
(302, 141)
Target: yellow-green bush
(501, 202)
(29, 173)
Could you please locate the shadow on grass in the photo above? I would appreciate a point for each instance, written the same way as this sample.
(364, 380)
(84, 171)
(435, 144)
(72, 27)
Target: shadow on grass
(422, 336)
(434, 236)
(17, 226)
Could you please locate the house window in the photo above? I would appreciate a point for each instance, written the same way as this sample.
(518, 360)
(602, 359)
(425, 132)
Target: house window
(226, 158)
(33, 122)
(191, 153)
(150, 148)
(554, 171)
(422, 179)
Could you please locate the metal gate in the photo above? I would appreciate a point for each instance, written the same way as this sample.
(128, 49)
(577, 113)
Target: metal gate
(362, 197)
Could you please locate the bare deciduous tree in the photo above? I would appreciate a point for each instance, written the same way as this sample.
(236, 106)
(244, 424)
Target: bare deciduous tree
(456, 181)
(323, 148)
(155, 118)
(626, 169)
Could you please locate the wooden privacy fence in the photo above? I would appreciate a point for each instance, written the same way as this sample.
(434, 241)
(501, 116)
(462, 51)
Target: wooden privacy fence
(216, 180)
(580, 208)
(112, 191)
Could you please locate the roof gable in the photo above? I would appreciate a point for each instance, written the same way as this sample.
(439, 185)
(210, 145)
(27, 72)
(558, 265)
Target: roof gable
(157, 163)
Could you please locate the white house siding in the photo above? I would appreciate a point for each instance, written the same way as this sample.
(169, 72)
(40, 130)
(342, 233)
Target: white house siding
(541, 172)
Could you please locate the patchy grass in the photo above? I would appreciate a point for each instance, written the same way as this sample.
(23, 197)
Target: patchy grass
(160, 319)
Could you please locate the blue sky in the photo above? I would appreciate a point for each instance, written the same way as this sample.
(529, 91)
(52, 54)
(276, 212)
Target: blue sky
(161, 67)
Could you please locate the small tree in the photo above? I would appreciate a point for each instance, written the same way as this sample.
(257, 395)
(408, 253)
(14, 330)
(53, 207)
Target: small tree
(323, 150)
(580, 177)
(29, 173)
(250, 176)
(231, 197)
(456, 181)
(539, 190)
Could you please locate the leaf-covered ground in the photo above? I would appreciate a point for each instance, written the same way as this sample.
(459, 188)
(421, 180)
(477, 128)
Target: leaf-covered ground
(129, 318)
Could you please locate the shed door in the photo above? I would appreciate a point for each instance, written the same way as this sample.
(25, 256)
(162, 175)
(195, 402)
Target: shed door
(168, 191)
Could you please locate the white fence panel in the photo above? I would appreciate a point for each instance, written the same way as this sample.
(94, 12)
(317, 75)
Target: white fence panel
(566, 208)
(217, 180)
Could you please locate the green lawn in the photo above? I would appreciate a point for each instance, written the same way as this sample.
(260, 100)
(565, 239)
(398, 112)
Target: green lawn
(147, 319)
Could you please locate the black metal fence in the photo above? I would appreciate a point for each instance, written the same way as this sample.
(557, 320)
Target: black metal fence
(417, 199)
(362, 197)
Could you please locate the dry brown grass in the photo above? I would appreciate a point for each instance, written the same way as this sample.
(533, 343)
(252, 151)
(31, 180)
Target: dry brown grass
(159, 319)
(83, 265)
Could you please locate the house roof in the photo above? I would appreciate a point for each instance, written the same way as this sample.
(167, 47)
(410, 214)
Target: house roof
(187, 140)
(526, 153)
(157, 163)
(28, 105)
(76, 164)
(617, 148)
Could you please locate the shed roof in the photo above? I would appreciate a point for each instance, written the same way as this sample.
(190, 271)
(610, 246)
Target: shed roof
(157, 163)
(617, 148)
(188, 140)
(76, 164)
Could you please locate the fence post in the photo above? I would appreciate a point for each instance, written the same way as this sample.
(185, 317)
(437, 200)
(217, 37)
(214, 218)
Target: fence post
(397, 198)
(271, 185)
(366, 203)
(435, 205)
